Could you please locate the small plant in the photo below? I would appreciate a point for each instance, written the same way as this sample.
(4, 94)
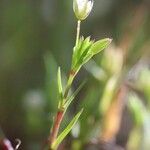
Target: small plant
(83, 51)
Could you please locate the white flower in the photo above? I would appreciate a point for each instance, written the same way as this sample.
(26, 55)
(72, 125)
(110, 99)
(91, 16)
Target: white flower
(82, 8)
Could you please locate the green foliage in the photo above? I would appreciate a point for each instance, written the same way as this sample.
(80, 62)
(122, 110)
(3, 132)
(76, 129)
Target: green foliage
(66, 131)
(83, 51)
(71, 98)
(86, 49)
(100, 45)
(27, 33)
(60, 88)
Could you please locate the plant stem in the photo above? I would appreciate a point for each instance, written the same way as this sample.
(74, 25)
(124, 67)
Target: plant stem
(70, 80)
(60, 114)
(72, 72)
(78, 32)
(55, 129)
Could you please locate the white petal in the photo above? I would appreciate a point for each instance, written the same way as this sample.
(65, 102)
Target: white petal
(89, 6)
(81, 4)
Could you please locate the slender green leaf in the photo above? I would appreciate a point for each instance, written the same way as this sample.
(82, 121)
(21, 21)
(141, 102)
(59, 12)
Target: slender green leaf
(71, 98)
(100, 45)
(76, 50)
(66, 131)
(60, 89)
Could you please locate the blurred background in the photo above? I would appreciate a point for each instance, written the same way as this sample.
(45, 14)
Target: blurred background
(38, 36)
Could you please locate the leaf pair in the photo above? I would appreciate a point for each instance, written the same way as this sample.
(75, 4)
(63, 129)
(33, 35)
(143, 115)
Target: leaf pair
(86, 49)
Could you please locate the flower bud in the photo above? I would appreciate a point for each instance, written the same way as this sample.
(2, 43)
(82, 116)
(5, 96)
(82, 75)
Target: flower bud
(82, 8)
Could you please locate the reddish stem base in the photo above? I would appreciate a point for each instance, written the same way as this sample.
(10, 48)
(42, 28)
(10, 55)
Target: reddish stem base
(55, 129)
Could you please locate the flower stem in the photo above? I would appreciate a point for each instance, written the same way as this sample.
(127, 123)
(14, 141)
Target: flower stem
(78, 32)
(60, 114)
